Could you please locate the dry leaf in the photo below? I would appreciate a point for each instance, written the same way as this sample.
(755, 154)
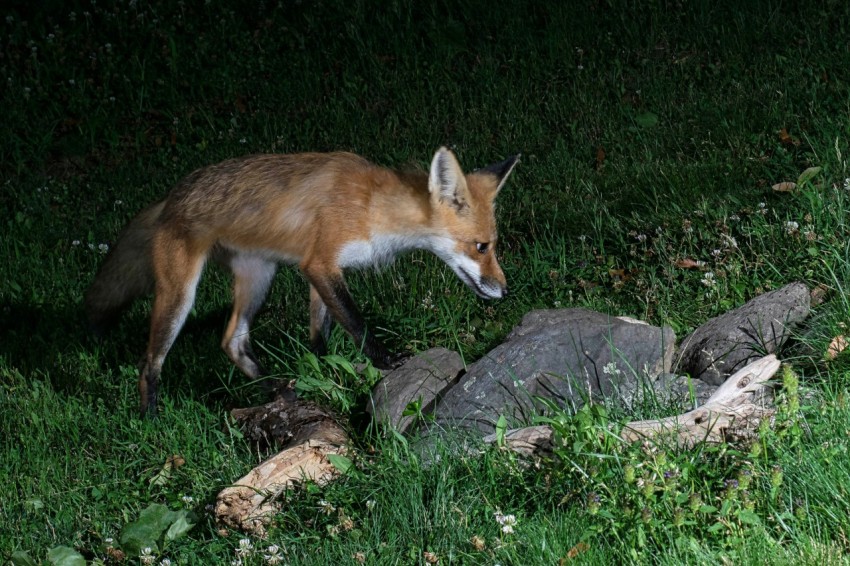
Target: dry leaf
(786, 139)
(688, 263)
(818, 294)
(573, 552)
(164, 475)
(600, 157)
(784, 187)
(836, 347)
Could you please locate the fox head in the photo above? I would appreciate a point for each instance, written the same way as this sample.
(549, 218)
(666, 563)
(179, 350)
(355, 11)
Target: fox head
(463, 211)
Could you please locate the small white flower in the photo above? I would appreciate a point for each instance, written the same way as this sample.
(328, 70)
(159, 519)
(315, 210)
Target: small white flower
(847, 184)
(326, 507)
(71, 82)
(709, 280)
(507, 522)
(370, 504)
(75, 243)
(103, 248)
(791, 227)
(582, 238)
(716, 253)
(165, 562)
(641, 237)
(246, 547)
(147, 557)
(735, 218)
(610, 369)
(188, 499)
(243, 140)
(109, 541)
(273, 556)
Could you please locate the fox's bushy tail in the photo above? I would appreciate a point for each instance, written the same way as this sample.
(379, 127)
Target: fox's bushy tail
(126, 273)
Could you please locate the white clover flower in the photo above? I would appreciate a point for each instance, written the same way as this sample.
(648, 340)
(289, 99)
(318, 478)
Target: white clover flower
(709, 280)
(582, 238)
(165, 562)
(641, 237)
(188, 499)
(716, 253)
(103, 248)
(75, 242)
(791, 227)
(610, 369)
(147, 556)
(246, 547)
(273, 555)
(370, 504)
(847, 184)
(326, 507)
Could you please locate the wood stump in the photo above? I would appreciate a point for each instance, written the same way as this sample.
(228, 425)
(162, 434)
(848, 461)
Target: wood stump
(308, 435)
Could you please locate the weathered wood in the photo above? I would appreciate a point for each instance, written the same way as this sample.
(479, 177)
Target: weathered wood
(309, 435)
(732, 412)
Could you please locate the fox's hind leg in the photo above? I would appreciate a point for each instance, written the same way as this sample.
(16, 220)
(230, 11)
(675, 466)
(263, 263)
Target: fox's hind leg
(177, 266)
(252, 277)
(321, 322)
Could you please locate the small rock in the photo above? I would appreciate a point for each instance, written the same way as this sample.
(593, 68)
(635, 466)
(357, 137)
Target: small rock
(726, 343)
(423, 377)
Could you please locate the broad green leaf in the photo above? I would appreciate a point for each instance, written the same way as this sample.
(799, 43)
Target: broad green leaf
(147, 530)
(340, 462)
(501, 429)
(65, 556)
(646, 120)
(748, 517)
(183, 523)
(807, 175)
(21, 558)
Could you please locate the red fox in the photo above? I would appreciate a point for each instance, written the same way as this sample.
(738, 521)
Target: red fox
(323, 212)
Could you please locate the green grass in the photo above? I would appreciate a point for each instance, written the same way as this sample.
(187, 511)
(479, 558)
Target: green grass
(651, 133)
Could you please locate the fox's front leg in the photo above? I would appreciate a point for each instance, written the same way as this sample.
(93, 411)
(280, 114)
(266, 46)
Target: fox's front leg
(321, 322)
(329, 288)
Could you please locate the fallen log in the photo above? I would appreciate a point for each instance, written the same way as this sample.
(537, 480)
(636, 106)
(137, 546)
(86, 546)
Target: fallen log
(733, 412)
(308, 435)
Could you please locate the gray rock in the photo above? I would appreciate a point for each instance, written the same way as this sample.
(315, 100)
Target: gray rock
(423, 377)
(726, 343)
(682, 392)
(561, 355)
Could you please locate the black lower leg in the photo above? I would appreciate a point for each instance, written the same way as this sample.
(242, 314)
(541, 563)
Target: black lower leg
(335, 295)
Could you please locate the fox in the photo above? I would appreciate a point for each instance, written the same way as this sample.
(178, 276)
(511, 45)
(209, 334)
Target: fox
(325, 213)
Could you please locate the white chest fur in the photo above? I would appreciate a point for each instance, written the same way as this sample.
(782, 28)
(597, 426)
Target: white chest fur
(378, 250)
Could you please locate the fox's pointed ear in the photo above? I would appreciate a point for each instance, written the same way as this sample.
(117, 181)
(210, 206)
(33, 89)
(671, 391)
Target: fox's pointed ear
(446, 181)
(501, 170)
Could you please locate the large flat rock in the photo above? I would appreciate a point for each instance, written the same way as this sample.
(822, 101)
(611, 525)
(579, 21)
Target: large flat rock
(561, 355)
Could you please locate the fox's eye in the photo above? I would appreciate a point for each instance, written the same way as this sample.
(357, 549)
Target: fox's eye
(482, 247)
